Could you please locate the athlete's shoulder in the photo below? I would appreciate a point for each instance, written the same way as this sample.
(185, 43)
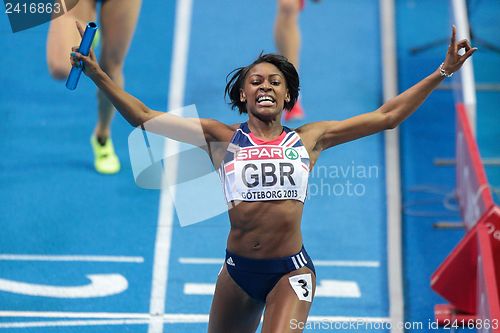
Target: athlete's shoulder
(310, 134)
(303, 129)
(314, 127)
(216, 130)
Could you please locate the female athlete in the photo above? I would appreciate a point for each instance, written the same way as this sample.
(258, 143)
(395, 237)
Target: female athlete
(264, 170)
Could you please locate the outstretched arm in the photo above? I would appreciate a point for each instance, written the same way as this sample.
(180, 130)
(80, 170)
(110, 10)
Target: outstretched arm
(326, 134)
(190, 130)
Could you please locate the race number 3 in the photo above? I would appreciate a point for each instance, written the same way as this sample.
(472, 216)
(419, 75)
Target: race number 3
(302, 285)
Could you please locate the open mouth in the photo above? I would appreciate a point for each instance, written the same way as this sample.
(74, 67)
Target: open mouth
(265, 100)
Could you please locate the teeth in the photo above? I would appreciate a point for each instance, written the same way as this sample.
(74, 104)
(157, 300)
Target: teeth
(265, 98)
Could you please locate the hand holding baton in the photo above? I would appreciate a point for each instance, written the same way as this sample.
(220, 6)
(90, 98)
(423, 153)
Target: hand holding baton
(84, 49)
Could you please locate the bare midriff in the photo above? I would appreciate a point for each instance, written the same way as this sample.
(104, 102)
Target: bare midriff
(265, 229)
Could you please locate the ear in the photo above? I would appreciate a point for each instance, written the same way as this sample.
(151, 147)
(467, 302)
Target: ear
(243, 96)
(287, 96)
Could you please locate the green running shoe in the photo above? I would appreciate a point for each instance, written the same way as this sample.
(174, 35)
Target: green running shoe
(105, 159)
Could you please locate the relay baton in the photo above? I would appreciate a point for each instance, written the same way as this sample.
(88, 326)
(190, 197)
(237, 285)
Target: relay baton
(84, 49)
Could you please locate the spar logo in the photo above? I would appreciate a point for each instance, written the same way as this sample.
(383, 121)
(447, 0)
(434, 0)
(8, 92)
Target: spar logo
(291, 154)
(259, 153)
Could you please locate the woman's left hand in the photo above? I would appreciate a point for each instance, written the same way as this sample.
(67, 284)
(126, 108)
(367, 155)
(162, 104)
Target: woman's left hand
(454, 60)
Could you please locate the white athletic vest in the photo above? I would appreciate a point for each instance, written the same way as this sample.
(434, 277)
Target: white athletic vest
(256, 170)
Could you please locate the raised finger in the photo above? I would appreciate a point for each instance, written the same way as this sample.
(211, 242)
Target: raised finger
(453, 34)
(452, 48)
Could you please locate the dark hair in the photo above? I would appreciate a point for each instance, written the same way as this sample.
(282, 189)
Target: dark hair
(236, 79)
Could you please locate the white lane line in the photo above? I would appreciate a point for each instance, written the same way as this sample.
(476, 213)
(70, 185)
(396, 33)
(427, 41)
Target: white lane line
(201, 261)
(176, 319)
(199, 288)
(69, 323)
(459, 8)
(39, 257)
(69, 315)
(166, 211)
(326, 263)
(344, 263)
(393, 168)
(337, 289)
(168, 318)
(325, 288)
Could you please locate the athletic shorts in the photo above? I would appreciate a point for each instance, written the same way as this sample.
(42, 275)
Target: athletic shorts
(257, 277)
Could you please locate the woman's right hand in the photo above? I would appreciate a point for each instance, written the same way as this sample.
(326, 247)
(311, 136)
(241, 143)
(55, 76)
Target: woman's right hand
(90, 65)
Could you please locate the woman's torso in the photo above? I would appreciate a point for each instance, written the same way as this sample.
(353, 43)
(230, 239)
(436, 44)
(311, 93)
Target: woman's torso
(265, 184)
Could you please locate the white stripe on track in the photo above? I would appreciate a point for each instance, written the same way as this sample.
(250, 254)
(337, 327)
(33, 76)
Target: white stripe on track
(73, 315)
(142, 319)
(165, 219)
(393, 169)
(201, 261)
(326, 263)
(459, 8)
(345, 263)
(69, 323)
(38, 257)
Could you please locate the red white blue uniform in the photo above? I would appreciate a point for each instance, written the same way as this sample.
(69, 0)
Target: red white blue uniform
(257, 170)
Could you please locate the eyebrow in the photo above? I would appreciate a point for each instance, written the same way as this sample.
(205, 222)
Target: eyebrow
(274, 74)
